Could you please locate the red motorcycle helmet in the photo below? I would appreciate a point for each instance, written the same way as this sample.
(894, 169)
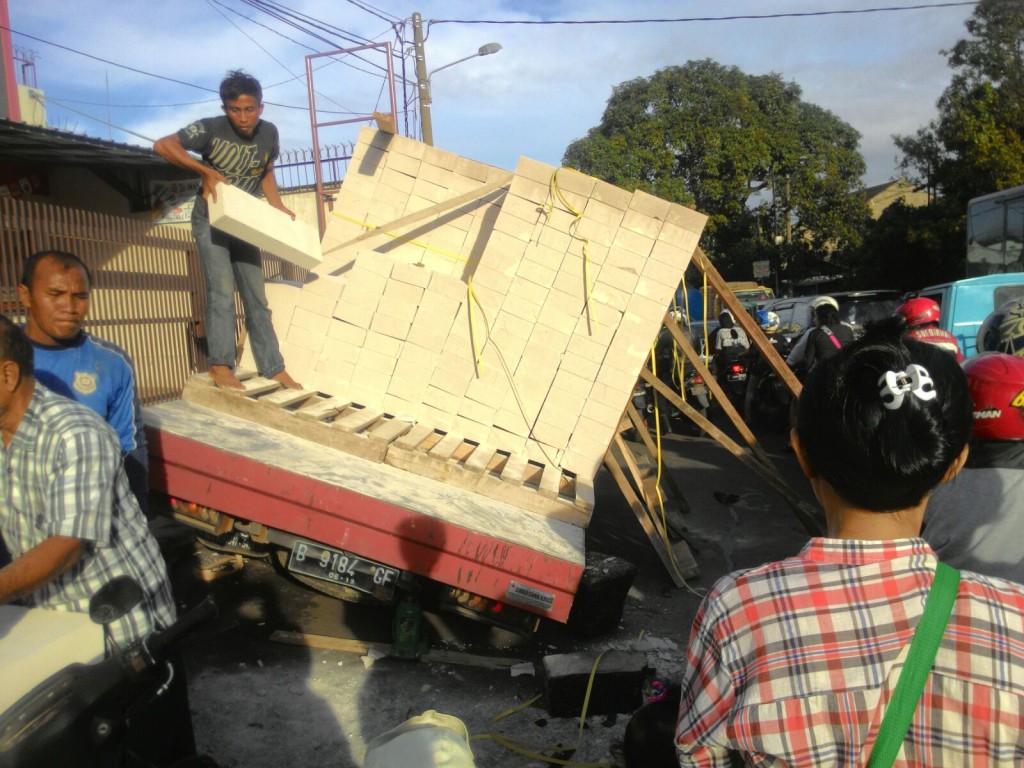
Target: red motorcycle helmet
(996, 383)
(919, 311)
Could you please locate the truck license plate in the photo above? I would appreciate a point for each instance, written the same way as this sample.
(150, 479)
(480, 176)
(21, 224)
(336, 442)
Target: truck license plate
(344, 568)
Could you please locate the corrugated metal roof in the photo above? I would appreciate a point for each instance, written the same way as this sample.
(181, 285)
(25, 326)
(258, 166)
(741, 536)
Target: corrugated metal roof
(28, 144)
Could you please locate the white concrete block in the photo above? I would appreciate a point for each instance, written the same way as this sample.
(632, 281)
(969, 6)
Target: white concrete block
(254, 220)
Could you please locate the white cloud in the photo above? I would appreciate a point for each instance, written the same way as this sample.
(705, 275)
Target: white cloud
(880, 72)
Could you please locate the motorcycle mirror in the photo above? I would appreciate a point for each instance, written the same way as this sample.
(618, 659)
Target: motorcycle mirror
(114, 599)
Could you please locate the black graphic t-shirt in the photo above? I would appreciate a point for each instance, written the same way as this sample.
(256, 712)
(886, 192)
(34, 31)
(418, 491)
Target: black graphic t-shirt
(243, 162)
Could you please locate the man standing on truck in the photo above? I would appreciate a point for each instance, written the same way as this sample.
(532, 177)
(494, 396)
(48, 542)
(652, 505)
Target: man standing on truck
(54, 289)
(237, 148)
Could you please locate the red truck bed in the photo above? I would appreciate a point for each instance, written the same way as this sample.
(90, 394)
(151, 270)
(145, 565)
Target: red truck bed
(442, 532)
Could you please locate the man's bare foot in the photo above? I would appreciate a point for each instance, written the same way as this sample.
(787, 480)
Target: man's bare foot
(224, 377)
(286, 380)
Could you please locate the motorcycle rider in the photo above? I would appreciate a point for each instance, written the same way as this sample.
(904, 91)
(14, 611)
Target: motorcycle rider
(991, 485)
(922, 316)
(728, 343)
(757, 366)
(1003, 329)
(797, 352)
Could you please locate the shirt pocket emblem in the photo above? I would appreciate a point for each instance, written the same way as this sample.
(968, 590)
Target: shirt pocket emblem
(85, 383)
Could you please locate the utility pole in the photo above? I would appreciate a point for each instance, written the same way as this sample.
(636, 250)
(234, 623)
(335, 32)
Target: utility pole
(422, 82)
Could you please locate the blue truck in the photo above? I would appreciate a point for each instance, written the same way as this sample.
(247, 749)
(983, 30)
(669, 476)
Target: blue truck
(966, 303)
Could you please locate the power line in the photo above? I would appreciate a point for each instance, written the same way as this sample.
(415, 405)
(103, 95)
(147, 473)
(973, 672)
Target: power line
(161, 77)
(107, 61)
(691, 19)
(214, 3)
(99, 120)
(374, 11)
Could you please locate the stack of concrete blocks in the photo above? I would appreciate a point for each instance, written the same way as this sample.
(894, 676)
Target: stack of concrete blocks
(519, 320)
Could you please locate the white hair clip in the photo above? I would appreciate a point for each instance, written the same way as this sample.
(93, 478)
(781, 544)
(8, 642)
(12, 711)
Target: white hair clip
(895, 384)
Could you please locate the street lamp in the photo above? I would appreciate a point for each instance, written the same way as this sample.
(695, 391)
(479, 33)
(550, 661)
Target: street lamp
(423, 79)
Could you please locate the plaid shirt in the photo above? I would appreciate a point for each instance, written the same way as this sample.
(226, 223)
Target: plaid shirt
(63, 477)
(792, 663)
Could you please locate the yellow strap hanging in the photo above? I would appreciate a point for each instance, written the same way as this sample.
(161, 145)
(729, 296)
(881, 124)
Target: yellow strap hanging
(555, 192)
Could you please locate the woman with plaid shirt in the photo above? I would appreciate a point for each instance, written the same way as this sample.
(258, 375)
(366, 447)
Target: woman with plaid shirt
(793, 663)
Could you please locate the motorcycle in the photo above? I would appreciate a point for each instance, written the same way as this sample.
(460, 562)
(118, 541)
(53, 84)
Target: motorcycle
(80, 715)
(694, 389)
(769, 404)
(731, 373)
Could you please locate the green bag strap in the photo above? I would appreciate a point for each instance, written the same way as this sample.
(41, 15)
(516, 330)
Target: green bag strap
(914, 674)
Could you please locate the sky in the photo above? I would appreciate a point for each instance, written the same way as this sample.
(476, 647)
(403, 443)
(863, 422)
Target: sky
(134, 71)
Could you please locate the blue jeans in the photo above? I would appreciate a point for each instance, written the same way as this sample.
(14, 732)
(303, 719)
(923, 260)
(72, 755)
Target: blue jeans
(229, 263)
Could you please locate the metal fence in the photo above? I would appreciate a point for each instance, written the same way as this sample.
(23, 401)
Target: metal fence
(293, 168)
(147, 294)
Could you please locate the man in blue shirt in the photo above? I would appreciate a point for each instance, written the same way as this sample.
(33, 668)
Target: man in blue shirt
(54, 289)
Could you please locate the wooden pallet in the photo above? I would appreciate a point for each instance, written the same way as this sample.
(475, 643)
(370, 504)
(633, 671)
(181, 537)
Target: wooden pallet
(370, 434)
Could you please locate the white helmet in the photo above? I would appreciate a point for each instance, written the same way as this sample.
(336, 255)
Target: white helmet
(820, 300)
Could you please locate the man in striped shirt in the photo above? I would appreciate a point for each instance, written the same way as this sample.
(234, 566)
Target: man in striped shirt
(68, 517)
(795, 662)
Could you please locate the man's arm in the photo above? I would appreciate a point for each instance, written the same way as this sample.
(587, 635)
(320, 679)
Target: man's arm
(40, 565)
(171, 150)
(270, 191)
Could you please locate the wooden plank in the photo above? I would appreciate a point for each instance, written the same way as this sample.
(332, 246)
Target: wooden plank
(422, 215)
(412, 439)
(362, 648)
(744, 318)
(301, 423)
(808, 515)
(508, 486)
(684, 559)
(444, 449)
(323, 410)
(256, 385)
(550, 481)
(669, 478)
(514, 469)
(463, 451)
(712, 383)
(584, 492)
(666, 555)
(389, 430)
(480, 459)
(286, 397)
(357, 420)
(639, 474)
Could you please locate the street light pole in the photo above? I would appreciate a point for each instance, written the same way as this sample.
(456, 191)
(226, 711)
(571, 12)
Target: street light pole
(423, 77)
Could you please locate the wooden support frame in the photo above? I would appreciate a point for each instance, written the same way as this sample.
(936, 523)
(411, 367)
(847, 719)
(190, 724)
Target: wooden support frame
(677, 558)
(755, 458)
(742, 317)
(504, 180)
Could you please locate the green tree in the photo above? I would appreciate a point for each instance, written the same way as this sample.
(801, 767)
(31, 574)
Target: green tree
(774, 174)
(976, 144)
(908, 248)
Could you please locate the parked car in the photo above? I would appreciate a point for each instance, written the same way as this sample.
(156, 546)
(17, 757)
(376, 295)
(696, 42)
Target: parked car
(857, 308)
